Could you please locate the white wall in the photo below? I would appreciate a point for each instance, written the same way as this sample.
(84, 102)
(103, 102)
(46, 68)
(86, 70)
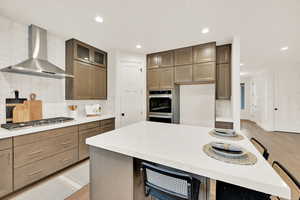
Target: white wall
(14, 48)
(197, 105)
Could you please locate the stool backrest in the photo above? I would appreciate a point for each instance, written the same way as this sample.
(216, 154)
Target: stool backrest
(168, 182)
(289, 179)
(261, 148)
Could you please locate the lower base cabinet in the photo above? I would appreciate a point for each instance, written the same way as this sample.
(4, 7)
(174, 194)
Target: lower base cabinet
(6, 170)
(83, 135)
(35, 171)
(29, 158)
(90, 130)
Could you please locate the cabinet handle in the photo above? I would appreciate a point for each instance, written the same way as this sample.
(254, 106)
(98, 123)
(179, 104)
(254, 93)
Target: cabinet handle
(35, 152)
(66, 143)
(66, 160)
(36, 172)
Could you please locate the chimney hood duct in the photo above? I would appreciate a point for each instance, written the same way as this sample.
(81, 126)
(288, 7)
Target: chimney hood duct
(38, 63)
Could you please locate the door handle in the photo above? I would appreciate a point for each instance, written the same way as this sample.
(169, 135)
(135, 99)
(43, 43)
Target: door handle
(275, 109)
(123, 114)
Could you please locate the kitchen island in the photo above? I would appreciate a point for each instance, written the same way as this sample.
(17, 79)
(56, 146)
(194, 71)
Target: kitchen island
(177, 146)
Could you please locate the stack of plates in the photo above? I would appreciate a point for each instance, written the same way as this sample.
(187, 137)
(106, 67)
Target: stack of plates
(229, 153)
(227, 150)
(225, 132)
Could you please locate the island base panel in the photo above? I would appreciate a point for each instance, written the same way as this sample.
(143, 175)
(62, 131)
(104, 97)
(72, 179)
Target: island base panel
(117, 176)
(111, 175)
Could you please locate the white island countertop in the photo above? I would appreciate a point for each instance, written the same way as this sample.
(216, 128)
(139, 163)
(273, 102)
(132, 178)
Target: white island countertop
(4, 133)
(180, 147)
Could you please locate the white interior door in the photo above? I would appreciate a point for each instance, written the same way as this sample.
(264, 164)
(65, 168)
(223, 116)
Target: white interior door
(132, 95)
(287, 101)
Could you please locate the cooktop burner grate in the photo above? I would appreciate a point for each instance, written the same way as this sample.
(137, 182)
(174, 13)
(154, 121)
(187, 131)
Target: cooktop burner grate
(56, 120)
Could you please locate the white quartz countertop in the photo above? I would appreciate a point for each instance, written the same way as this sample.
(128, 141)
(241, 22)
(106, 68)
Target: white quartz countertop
(4, 133)
(180, 147)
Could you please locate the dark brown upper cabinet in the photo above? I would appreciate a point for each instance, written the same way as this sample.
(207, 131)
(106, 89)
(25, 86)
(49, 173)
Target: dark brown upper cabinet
(160, 78)
(153, 77)
(204, 53)
(224, 54)
(190, 65)
(89, 67)
(153, 61)
(183, 56)
(204, 72)
(82, 52)
(166, 59)
(184, 74)
(99, 58)
(166, 79)
(223, 74)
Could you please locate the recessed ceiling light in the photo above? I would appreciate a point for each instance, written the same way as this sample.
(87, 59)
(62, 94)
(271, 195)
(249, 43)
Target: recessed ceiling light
(242, 64)
(138, 46)
(284, 48)
(98, 19)
(205, 30)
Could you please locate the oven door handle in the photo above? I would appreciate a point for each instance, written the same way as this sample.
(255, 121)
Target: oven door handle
(160, 96)
(161, 116)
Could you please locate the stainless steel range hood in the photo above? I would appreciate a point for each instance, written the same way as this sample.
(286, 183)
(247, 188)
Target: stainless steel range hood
(38, 63)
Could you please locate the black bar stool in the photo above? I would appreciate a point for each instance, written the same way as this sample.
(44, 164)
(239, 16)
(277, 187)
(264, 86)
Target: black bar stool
(289, 179)
(165, 184)
(261, 148)
(226, 191)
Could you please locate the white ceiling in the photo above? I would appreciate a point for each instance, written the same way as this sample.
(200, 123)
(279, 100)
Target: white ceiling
(263, 25)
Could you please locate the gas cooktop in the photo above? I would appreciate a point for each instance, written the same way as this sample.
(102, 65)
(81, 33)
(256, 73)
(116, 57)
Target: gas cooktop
(56, 120)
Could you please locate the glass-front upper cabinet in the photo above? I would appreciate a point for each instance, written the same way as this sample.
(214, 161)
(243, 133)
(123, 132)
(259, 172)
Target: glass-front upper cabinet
(99, 58)
(82, 52)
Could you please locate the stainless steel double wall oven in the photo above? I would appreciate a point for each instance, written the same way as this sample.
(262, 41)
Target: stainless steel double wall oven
(163, 106)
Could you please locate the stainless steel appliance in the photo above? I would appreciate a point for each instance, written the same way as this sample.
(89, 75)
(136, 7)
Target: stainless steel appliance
(43, 122)
(163, 106)
(37, 63)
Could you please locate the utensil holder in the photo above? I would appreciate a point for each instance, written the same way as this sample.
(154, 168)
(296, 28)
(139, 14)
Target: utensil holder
(73, 114)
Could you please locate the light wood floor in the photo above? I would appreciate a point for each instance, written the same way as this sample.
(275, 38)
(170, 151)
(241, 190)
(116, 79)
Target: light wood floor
(82, 194)
(282, 146)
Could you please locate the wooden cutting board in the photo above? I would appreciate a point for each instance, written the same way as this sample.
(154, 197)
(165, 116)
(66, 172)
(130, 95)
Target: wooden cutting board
(21, 113)
(35, 109)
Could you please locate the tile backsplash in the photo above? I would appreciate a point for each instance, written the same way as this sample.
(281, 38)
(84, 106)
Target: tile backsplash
(14, 49)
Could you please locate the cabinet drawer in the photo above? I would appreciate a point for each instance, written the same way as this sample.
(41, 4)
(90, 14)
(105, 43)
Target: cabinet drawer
(6, 177)
(40, 169)
(89, 125)
(83, 148)
(26, 154)
(107, 128)
(6, 143)
(107, 122)
(225, 125)
(34, 137)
